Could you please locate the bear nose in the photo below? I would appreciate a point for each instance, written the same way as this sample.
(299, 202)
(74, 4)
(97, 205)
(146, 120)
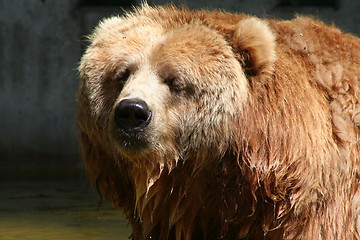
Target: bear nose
(132, 115)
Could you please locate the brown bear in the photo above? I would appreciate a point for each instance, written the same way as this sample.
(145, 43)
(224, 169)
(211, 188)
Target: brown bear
(211, 125)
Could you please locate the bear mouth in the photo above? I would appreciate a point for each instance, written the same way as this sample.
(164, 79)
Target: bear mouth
(131, 142)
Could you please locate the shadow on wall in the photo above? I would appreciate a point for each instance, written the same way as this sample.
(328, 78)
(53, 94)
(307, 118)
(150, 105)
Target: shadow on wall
(40, 47)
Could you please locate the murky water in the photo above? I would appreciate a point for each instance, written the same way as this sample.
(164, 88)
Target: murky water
(57, 211)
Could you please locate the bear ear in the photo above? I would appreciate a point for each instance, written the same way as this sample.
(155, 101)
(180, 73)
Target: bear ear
(254, 45)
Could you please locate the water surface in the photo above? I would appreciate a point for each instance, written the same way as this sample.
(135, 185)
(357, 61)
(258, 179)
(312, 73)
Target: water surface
(57, 211)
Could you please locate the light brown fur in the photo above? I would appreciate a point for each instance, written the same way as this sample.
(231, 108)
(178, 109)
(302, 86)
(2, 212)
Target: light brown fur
(255, 131)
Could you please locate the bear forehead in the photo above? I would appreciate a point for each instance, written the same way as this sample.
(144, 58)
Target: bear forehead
(192, 44)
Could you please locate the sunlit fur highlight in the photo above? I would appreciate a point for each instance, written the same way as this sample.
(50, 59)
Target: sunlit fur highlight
(262, 142)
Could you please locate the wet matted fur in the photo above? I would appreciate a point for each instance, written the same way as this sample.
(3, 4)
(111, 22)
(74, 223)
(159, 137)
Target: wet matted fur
(254, 132)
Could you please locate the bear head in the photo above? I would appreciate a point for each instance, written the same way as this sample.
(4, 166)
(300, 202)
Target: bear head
(168, 85)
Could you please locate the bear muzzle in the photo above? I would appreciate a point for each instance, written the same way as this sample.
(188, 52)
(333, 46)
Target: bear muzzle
(132, 115)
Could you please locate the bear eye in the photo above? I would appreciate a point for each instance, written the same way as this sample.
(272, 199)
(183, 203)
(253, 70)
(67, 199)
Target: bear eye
(123, 76)
(173, 84)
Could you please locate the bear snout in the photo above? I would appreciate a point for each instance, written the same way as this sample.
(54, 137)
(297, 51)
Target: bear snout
(132, 115)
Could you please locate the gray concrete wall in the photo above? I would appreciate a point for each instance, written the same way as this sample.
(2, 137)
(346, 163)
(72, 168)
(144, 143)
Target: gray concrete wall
(40, 46)
(39, 51)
